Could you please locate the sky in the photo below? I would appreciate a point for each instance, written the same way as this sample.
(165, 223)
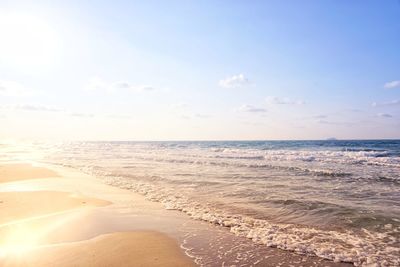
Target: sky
(199, 70)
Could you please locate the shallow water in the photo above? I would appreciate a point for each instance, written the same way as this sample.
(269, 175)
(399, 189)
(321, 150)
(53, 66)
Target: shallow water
(339, 200)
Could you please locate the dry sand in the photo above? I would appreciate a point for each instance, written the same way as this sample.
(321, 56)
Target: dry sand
(26, 216)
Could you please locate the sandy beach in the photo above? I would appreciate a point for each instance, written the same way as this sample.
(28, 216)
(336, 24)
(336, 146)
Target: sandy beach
(40, 217)
(200, 133)
(22, 171)
(69, 218)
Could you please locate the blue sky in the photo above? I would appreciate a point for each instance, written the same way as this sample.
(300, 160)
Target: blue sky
(182, 70)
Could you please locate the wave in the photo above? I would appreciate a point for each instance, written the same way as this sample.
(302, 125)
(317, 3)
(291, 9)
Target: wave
(361, 184)
(362, 248)
(301, 170)
(256, 157)
(246, 154)
(367, 157)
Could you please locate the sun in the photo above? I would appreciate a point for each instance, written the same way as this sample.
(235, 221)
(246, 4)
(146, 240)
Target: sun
(27, 41)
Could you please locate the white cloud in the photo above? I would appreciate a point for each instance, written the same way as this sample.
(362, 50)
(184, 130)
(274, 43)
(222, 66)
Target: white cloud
(11, 88)
(389, 103)
(202, 116)
(283, 101)
(95, 84)
(392, 84)
(98, 84)
(234, 81)
(356, 110)
(384, 115)
(185, 117)
(131, 87)
(44, 108)
(250, 108)
(335, 123)
(38, 108)
(143, 88)
(121, 85)
(32, 107)
(320, 116)
(82, 115)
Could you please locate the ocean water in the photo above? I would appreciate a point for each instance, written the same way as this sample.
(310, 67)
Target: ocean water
(338, 200)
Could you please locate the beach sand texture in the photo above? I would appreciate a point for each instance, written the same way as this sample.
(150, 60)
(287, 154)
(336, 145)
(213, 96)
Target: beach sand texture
(26, 216)
(22, 171)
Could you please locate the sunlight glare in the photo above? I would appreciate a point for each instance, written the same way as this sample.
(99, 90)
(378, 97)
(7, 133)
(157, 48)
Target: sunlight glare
(18, 242)
(27, 41)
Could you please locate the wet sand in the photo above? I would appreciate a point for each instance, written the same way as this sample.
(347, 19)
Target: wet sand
(39, 211)
(28, 205)
(116, 249)
(22, 171)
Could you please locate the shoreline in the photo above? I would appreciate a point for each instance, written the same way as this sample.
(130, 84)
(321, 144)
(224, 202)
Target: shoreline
(203, 243)
(40, 218)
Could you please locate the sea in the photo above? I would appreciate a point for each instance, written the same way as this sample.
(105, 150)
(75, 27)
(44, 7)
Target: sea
(335, 199)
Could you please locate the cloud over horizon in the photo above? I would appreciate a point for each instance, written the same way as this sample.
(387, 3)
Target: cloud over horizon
(45, 108)
(385, 115)
(388, 103)
(252, 109)
(81, 115)
(131, 87)
(392, 84)
(98, 84)
(335, 123)
(234, 81)
(283, 101)
(15, 89)
(32, 107)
